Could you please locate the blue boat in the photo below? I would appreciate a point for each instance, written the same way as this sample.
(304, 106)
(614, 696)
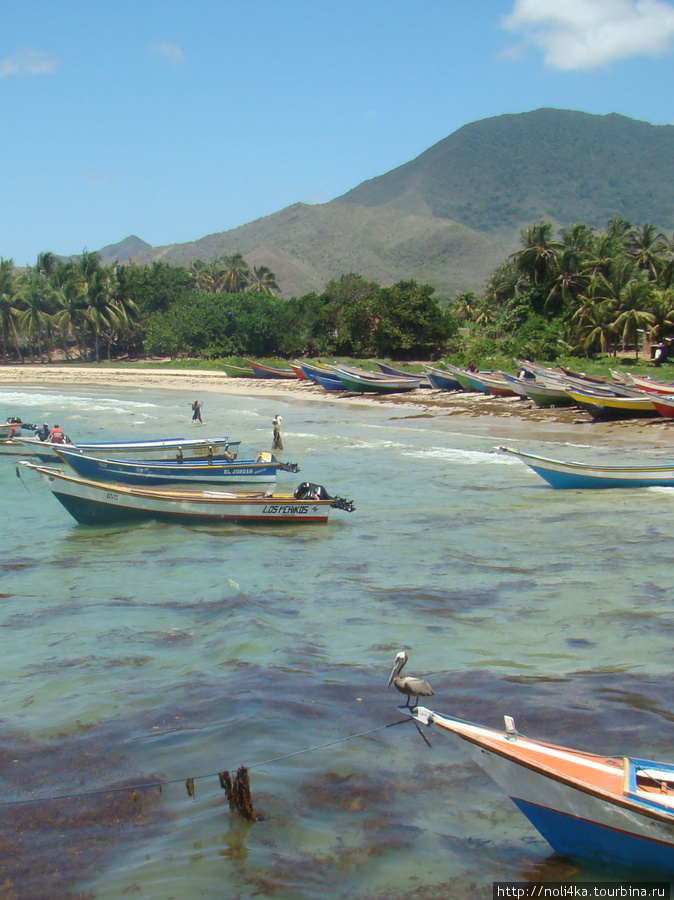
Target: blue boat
(191, 472)
(441, 381)
(560, 474)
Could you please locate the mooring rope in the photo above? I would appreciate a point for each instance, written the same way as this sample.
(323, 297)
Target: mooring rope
(133, 788)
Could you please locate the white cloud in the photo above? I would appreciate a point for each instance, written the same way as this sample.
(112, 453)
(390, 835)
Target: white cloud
(27, 61)
(168, 52)
(587, 34)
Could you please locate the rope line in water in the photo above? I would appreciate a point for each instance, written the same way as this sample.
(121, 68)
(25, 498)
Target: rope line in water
(190, 781)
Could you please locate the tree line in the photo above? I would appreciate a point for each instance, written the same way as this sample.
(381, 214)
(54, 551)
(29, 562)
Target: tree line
(89, 311)
(581, 292)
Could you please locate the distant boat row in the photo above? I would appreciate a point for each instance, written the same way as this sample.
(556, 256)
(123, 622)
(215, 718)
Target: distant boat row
(336, 377)
(619, 397)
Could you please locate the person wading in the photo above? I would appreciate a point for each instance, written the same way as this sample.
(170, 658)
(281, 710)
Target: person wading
(277, 443)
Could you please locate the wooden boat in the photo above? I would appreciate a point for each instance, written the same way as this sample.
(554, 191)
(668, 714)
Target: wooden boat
(546, 394)
(616, 810)
(101, 502)
(582, 475)
(494, 383)
(168, 448)
(262, 371)
(664, 404)
(464, 379)
(610, 407)
(236, 371)
(261, 470)
(378, 384)
(651, 385)
(328, 381)
(441, 380)
(398, 373)
(13, 447)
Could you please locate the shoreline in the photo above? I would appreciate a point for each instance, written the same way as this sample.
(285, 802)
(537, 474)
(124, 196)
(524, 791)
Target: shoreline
(497, 415)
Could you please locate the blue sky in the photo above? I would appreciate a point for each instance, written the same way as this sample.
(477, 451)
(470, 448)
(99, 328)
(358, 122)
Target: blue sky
(173, 120)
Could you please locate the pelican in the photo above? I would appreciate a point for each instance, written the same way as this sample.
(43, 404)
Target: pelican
(411, 687)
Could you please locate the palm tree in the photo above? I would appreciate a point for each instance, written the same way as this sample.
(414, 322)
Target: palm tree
(568, 281)
(661, 307)
(237, 273)
(209, 276)
(633, 313)
(100, 289)
(646, 245)
(536, 259)
(263, 281)
(8, 310)
(35, 296)
(70, 317)
(594, 324)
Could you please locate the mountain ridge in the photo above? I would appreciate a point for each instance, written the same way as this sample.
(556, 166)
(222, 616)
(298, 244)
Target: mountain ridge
(455, 212)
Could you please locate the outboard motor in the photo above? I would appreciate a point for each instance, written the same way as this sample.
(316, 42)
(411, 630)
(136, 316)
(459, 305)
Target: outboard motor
(309, 491)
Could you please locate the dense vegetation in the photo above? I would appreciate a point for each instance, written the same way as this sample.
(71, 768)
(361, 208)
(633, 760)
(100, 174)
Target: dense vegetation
(88, 311)
(504, 172)
(583, 293)
(580, 293)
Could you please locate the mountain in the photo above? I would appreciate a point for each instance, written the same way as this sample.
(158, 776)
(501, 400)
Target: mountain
(123, 251)
(453, 214)
(501, 174)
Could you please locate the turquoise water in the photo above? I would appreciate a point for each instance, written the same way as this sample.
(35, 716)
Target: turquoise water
(134, 655)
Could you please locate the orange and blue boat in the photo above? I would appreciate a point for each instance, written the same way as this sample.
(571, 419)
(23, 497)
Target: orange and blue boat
(605, 809)
(260, 370)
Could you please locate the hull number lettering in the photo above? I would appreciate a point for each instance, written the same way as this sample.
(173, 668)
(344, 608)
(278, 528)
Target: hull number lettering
(279, 510)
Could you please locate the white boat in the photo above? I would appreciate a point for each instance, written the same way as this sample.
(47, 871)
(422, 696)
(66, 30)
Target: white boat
(97, 502)
(561, 474)
(167, 448)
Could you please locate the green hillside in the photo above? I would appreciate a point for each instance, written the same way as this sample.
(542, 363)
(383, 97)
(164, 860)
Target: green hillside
(501, 174)
(453, 214)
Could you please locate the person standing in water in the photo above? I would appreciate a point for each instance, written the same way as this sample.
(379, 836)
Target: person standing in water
(196, 411)
(277, 443)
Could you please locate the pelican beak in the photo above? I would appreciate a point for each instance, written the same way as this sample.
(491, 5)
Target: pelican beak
(394, 671)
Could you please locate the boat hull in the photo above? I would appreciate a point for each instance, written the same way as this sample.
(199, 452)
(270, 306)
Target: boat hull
(577, 823)
(570, 475)
(441, 381)
(159, 472)
(169, 449)
(610, 809)
(99, 503)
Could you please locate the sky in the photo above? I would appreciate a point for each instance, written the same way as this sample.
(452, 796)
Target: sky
(175, 119)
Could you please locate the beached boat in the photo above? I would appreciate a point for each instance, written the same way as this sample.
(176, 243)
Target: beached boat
(168, 448)
(100, 502)
(374, 384)
(651, 384)
(441, 380)
(610, 406)
(385, 369)
(617, 810)
(561, 474)
(463, 376)
(262, 371)
(664, 404)
(261, 470)
(546, 394)
(236, 371)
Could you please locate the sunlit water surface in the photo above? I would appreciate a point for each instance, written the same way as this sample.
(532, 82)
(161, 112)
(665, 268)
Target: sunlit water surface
(155, 653)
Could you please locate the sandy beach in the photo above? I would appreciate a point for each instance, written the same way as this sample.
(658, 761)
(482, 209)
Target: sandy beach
(499, 416)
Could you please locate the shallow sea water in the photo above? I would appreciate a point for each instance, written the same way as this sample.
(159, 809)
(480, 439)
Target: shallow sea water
(150, 654)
